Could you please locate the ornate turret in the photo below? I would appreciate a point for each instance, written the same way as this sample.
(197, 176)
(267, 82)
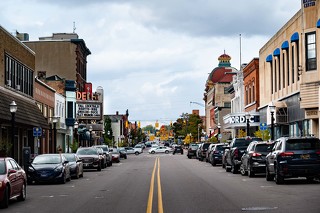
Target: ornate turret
(224, 60)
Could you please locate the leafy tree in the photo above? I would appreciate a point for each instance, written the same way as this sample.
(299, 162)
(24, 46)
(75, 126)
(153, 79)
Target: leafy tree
(188, 124)
(242, 134)
(149, 129)
(264, 134)
(213, 140)
(107, 131)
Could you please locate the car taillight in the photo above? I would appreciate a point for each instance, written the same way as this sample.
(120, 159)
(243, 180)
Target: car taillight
(286, 154)
(318, 152)
(255, 154)
(216, 152)
(236, 152)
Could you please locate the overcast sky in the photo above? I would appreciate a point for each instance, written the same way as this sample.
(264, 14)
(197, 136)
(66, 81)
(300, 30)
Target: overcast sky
(153, 57)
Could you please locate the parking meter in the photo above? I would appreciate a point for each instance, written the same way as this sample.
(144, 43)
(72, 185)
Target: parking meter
(26, 157)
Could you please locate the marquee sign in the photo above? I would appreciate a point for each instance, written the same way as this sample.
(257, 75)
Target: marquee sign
(88, 110)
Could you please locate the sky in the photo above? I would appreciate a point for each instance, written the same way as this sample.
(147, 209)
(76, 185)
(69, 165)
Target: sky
(153, 57)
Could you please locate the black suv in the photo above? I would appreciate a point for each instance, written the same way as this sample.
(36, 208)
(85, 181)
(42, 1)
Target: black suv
(216, 153)
(90, 157)
(235, 151)
(254, 159)
(293, 157)
(178, 149)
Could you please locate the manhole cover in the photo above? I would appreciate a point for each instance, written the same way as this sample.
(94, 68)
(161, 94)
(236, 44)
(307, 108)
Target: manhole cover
(258, 208)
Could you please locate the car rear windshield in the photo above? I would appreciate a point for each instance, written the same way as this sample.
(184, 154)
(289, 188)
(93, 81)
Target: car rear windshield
(2, 167)
(206, 145)
(262, 147)
(220, 147)
(303, 144)
(87, 152)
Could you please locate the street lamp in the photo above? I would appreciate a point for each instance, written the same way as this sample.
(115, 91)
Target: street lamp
(219, 127)
(248, 124)
(54, 121)
(272, 110)
(13, 110)
(90, 130)
(199, 125)
(76, 126)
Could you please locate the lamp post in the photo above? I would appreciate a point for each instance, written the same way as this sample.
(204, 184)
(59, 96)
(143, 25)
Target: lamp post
(90, 130)
(76, 126)
(248, 124)
(54, 121)
(219, 127)
(272, 110)
(13, 110)
(199, 125)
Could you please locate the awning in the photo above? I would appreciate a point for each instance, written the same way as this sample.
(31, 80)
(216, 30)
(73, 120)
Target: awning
(280, 104)
(28, 113)
(285, 45)
(295, 37)
(318, 23)
(276, 52)
(269, 58)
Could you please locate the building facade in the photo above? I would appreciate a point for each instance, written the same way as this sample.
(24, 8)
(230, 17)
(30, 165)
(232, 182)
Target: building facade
(289, 74)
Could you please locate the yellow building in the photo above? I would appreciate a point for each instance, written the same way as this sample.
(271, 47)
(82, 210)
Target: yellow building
(289, 74)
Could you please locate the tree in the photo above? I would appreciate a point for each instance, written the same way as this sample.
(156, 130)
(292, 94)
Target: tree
(108, 134)
(263, 134)
(242, 134)
(188, 124)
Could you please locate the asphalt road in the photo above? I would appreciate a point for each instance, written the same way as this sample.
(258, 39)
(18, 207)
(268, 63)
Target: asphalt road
(186, 185)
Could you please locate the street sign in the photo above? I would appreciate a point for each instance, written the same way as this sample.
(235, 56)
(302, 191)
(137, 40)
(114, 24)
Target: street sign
(220, 136)
(263, 126)
(37, 131)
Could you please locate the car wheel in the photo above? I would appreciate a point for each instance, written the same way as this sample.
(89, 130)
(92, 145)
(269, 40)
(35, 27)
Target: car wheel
(5, 200)
(226, 166)
(63, 179)
(23, 193)
(181, 153)
(310, 179)
(189, 156)
(242, 170)
(77, 174)
(99, 167)
(269, 177)
(167, 152)
(136, 153)
(278, 178)
(250, 172)
(81, 175)
(125, 157)
(152, 152)
(234, 169)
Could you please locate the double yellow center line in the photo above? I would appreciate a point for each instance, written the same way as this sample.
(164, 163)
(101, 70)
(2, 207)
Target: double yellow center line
(150, 198)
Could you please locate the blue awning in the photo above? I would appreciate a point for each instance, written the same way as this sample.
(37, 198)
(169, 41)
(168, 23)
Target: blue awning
(318, 23)
(295, 37)
(269, 58)
(285, 45)
(276, 52)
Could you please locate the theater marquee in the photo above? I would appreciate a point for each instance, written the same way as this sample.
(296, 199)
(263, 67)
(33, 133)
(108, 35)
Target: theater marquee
(89, 110)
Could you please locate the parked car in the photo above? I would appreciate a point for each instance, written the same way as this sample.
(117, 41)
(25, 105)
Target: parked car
(293, 157)
(140, 145)
(131, 150)
(75, 163)
(13, 181)
(253, 160)
(47, 168)
(160, 149)
(103, 156)
(216, 153)
(208, 152)
(90, 158)
(235, 151)
(177, 149)
(106, 151)
(123, 152)
(115, 154)
(192, 150)
(203, 150)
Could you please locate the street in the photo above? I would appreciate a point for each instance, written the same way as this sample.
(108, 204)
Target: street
(186, 185)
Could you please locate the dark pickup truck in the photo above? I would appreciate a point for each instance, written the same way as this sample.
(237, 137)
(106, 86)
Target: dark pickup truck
(235, 151)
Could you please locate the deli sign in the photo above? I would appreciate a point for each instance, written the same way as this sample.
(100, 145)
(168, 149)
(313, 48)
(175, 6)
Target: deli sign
(89, 110)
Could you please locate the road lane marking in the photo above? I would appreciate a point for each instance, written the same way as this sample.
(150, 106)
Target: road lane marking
(150, 198)
(160, 206)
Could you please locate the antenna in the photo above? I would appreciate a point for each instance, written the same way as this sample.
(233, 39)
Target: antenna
(74, 27)
(240, 51)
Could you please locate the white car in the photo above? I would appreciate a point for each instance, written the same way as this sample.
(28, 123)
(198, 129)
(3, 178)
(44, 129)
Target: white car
(131, 150)
(160, 149)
